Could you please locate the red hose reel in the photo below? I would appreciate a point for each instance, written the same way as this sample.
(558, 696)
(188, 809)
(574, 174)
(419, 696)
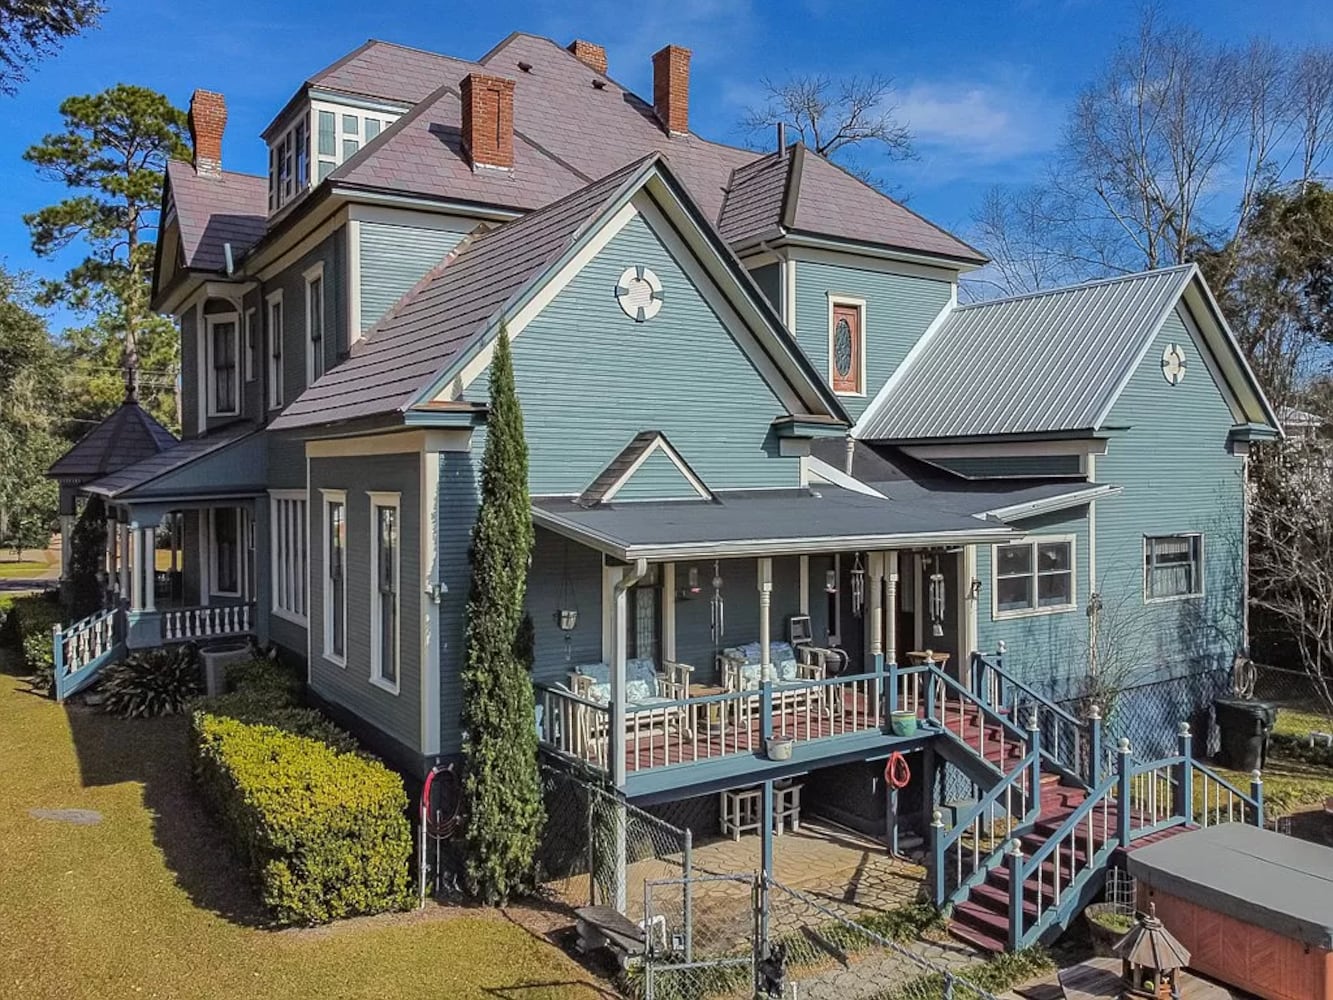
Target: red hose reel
(897, 773)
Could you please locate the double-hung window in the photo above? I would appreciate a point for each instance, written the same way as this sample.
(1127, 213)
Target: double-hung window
(1172, 567)
(223, 391)
(314, 322)
(335, 575)
(250, 334)
(384, 597)
(287, 510)
(1033, 577)
(275, 332)
(225, 561)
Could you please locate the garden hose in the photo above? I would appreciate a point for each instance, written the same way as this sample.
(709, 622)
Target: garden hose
(896, 772)
(445, 823)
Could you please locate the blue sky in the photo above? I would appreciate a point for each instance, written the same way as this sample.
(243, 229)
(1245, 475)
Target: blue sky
(983, 85)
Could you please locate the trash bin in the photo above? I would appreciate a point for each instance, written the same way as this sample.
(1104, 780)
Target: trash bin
(1245, 726)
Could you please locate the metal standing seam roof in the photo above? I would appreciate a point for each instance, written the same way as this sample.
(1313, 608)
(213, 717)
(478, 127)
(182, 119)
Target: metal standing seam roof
(823, 519)
(128, 435)
(447, 310)
(1045, 362)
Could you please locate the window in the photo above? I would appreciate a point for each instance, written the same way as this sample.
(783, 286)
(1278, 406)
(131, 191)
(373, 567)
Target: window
(1033, 577)
(223, 397)
(250, 333)
(384, 594)
(1172, 567)
(335, 578)
(846, 347)
(289, 162)
(342, 131)
(314, 322)
(275, 332)
(645, 632)
(225, 552)
(287, 510)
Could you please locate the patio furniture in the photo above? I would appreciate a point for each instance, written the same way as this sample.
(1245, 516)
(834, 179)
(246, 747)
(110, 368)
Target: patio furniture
(793, 670)
(707, 719)
(739, 811)
(786, 806)
(652, 697)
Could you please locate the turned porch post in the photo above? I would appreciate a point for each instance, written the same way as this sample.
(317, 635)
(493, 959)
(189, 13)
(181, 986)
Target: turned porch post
(134, 540)
(619, 651)
(123, 558)
(149, 574)
(765, 574)
(891, 629)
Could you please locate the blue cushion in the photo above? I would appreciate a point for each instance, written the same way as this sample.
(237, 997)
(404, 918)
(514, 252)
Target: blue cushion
(787, 670)
(642, 669)
(599, 672)
(749, 676)
(780, 651)
(600, 693)
(638, 691)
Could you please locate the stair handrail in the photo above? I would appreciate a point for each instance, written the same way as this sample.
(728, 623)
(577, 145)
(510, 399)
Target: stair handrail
(1021, 868)
(1083, 731)
(1023, 777)
(938, 680)
(1254, 800)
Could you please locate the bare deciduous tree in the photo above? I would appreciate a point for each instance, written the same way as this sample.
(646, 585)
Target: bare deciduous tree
(1312, 95)
(833, 116)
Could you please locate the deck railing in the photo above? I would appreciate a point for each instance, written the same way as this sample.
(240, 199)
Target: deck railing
(82, 648)
(573, 726)
(1215, 800)
(188, 624)
(960, 713)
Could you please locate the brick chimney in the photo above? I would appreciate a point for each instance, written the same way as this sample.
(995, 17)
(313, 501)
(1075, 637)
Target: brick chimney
(208, 119)
(589, 54)
(671, 89)
(488, 120)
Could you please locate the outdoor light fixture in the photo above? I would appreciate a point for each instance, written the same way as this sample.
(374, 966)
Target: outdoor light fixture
(831, 582)
(974, 589)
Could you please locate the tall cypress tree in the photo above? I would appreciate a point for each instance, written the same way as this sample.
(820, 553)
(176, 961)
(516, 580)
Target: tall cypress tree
(504, 811)
(83, 589)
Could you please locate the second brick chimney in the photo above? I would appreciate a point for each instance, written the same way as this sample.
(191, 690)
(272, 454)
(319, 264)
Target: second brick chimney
(671, 89)
(488, 120)
(589, 54)
(208, 120)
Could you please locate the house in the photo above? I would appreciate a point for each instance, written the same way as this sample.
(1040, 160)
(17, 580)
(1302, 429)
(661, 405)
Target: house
(783, 482)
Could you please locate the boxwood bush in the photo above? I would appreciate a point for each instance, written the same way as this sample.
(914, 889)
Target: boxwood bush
(324, 833)
(26, 631)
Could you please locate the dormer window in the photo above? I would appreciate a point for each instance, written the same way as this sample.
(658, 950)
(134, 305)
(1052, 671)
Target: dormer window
(289, 163)
(315, 143)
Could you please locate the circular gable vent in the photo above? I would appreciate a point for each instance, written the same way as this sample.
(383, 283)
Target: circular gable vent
(1173, 364)
(639, 293)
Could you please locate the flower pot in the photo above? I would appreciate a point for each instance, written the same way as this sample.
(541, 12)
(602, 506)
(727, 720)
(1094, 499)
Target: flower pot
(1104, 938)
(779, 748)
(903, 723)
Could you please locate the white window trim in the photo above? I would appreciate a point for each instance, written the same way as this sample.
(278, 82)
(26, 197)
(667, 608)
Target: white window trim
(383, 114)
(213, 589)
(860, 306)
(1033, 541)
(299, 533)
(378, 500)
(1203, 560)
(311, 275)
(328, 497)
(249, 333)
(275, 387)
(210, 390)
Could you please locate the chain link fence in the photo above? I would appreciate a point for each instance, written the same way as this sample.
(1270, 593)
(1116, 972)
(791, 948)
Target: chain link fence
(781, 943)
(598, 849)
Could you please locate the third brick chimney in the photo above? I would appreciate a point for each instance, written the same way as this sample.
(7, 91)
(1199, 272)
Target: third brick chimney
(589, 54)
(208, 120)
(671, 88)
(488, 120)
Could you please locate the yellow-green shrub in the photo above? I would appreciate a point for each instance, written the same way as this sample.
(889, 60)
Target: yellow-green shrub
(323, 833)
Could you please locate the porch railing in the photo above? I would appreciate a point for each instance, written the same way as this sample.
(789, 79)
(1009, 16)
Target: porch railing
(573, 726)
(83, 647)
(188, 624)
(964, 716)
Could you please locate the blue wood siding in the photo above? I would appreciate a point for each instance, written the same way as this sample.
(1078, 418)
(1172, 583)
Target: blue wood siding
(332, 252)
(564, 573)
(399, 715)
(1178, 476)
(899, 308)
(1004, 466)
(1048, 650)
(393, 259)
(657, 478)
(589, 378)
(457, 511)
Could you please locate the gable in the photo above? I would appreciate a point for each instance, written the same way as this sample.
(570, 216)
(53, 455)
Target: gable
(658, 478)
(590, 377)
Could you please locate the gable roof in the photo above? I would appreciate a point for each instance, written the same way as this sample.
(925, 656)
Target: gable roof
(213, 211)
(621, 469)
(802, 193)
(454, 310)
(127, 436)
(1048, 362)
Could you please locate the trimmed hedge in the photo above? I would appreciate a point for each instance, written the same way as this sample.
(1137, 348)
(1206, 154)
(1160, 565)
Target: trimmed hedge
(264, 692)
(324, 833)
(26, 630)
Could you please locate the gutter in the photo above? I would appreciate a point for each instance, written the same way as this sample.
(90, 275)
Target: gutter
(1049, 505)
(618, 675)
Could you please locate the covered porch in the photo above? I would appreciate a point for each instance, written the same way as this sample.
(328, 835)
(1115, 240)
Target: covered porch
(739, 640)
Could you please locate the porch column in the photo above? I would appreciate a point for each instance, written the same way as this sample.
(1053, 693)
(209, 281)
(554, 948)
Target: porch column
(669, 612)
(804, 596)
(149, 574)
(123, 558)
(109, 560)
(765, 573)
(876, 574)
(66, 535)
(134, 544)
(619, 646)
(891, 611)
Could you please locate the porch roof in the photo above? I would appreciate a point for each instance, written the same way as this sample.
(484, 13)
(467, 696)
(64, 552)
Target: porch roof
(128, 435)
(767, 522)
(230, 462)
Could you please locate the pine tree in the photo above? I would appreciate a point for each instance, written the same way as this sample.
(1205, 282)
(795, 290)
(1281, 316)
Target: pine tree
(504, 810)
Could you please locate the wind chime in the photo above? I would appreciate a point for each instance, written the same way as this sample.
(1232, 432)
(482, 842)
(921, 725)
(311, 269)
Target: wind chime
(936, 598)
(717, 607)
(567, 617)
(858, 587)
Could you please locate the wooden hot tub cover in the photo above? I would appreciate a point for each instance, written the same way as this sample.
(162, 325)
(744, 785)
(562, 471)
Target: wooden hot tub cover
(1258, 876)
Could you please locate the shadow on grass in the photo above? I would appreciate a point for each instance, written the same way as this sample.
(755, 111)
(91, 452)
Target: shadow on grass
(155, 753)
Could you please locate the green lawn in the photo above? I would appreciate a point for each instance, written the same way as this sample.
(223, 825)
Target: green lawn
(13, 570)
(148, 903)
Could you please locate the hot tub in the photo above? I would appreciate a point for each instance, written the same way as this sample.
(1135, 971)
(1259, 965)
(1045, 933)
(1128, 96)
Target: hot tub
(1254, 907)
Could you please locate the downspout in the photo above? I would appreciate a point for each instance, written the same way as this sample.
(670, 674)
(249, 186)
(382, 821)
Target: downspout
(619, 600)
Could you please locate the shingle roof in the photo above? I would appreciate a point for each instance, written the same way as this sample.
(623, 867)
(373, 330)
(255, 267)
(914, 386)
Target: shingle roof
(755, 198)
(450, 307)
(127, 436)
(229, 208)
(181, 454)
(1045, 362)
(391, 72)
